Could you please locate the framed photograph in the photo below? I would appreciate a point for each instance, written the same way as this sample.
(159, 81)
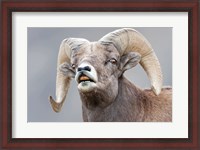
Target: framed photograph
(33, 33)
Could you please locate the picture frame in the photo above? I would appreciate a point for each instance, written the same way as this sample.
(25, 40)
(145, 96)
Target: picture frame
(6, 127)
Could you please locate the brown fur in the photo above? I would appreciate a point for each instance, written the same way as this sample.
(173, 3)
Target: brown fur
(131, 104)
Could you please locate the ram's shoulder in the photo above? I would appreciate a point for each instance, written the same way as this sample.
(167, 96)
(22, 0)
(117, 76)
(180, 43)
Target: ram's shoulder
(164, 97)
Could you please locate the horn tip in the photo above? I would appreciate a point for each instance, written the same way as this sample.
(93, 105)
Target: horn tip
(156, 90)
(56, 106)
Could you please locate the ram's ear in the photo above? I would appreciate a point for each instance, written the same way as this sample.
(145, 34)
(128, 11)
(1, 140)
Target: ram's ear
(66, 69)
(129, 61)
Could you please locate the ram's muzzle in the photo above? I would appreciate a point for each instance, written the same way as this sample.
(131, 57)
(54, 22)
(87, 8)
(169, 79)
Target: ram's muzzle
(86, 77)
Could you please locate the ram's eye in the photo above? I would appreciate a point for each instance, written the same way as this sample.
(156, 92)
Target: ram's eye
(113, 61)
(73, 66)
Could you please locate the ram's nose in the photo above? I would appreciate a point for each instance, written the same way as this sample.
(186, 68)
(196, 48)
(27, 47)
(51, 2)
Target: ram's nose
(84, 68)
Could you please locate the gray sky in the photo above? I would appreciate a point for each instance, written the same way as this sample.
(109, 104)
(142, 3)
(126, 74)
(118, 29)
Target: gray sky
(43, 46)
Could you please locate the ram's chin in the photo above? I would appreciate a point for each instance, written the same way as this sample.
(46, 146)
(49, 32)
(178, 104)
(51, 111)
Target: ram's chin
(86, 86)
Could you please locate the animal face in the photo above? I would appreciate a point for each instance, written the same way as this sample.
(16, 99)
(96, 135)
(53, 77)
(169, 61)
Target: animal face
(97, 67)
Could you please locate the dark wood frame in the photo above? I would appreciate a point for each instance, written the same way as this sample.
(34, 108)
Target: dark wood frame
(9, 6)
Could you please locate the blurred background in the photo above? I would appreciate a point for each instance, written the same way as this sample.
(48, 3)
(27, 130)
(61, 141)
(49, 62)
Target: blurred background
(43, 46)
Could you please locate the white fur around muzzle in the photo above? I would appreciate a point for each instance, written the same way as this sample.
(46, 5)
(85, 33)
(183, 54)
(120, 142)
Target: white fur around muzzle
(86, 86)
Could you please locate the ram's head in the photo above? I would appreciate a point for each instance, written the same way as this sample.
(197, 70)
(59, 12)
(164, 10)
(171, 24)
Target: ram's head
(97, 66)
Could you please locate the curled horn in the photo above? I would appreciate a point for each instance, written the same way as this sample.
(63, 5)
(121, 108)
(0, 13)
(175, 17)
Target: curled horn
(63, 81)
(126, 40)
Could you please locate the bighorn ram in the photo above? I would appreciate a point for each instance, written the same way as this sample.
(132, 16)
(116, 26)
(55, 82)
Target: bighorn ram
(105, 93)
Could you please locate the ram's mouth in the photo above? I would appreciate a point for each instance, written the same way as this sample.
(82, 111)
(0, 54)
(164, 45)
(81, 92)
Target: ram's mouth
(87, 81)
(84, 78)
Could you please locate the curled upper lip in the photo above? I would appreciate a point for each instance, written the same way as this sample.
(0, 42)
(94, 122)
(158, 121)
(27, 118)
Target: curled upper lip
(88, 74)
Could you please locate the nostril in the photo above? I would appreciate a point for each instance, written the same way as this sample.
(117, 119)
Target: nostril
(87, 68)
(79, 68)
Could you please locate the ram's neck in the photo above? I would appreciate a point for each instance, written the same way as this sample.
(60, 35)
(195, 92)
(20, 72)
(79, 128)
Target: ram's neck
(129, 105)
